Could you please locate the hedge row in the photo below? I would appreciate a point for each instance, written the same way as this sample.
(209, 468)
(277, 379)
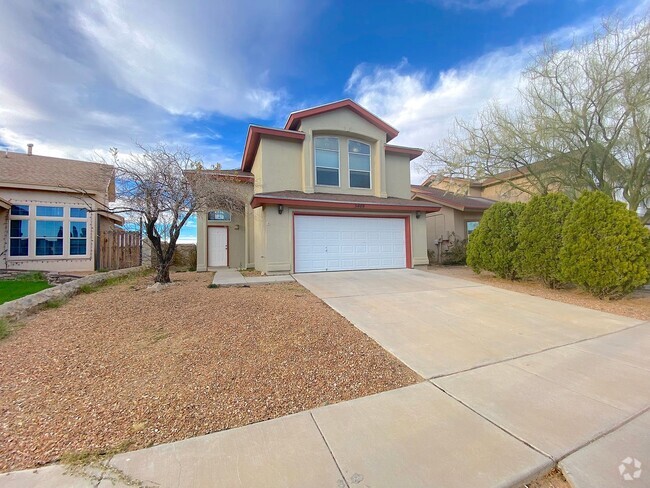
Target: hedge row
(595, 243)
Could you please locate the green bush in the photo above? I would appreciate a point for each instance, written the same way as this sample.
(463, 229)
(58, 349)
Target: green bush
(493, 244)
(605, 248)
(539, 238)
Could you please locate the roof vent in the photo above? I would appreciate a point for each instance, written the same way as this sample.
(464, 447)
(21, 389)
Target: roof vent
(29, 149)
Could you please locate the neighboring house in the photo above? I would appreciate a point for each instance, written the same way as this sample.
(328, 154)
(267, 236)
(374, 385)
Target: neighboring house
(327, 193)
(49, 211)
(458, 216)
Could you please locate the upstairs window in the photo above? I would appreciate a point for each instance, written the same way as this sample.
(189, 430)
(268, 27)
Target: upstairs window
(326, 157)
(219, 216)
(359, 162)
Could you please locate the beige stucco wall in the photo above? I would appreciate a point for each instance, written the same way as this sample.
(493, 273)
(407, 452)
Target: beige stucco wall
(505, 192)
(238, 233)
(398, 175)
(278, 165)
(274, 238)
(346, 125)
(64, 263)
(440, 226)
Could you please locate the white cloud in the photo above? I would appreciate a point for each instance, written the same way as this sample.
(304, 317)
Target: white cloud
(508, 5)
(82, 76)
(423, 107)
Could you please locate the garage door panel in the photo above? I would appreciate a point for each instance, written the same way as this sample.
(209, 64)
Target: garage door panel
(346, 243)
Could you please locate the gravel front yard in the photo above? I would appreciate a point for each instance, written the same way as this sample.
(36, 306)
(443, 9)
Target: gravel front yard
(636, 305)
(127, 367)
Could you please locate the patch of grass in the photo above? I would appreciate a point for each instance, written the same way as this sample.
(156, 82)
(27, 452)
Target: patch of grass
(88, 288)
(56, 302)
(213, 285)
(87, 457)
(5, 329)
(22, 286)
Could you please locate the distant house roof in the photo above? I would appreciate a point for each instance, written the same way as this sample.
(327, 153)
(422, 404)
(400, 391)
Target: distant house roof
(227, 174)
(337, 200)
(294, 119)
(449, 199)
(18, 170)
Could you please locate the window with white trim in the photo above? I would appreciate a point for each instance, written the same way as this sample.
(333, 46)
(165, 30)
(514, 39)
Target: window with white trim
(19, 230)
(48, 231)
(78, 245)
(327, 161)
(359, 163)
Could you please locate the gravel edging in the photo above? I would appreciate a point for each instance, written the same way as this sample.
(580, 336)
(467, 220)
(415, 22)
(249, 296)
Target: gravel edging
(17, 309)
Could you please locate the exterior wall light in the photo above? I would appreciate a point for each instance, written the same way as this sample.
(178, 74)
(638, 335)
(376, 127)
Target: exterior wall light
(280, 209)
(417, 215)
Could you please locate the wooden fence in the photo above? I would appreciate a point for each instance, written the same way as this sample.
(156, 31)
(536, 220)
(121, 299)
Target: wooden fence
(119, 249)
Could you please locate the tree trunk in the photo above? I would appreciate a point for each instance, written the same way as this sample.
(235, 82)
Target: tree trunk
(162, 273)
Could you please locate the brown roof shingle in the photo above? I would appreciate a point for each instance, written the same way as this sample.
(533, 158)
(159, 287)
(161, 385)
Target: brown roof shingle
(18, 169)
(449, 199)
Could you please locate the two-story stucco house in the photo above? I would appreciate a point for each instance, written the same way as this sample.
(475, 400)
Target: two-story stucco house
(327, 193)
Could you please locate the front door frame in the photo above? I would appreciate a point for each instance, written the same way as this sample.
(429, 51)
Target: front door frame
(207, 247)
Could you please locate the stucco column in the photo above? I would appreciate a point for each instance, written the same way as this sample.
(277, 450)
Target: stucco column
(307, 164)
(380, 189)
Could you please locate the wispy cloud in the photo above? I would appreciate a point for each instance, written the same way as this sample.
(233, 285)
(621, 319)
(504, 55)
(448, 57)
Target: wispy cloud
(424, 105)
(508, 5)
(82, 76)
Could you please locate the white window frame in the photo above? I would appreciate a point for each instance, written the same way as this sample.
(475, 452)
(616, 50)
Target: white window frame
(32, 218)
(338, 155)
(29, 229)
(360, 171)
(71, 219)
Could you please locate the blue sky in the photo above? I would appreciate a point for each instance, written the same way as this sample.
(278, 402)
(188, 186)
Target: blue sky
(77, 78)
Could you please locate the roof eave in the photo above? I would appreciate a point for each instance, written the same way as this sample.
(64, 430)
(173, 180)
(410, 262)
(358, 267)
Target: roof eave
(259, 201)
(411, 152)
(255, 133)
(295, 117)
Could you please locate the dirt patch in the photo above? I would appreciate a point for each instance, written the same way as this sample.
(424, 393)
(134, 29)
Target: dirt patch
(555, 479)
(636, 305)
(248, 273)
(127, 366)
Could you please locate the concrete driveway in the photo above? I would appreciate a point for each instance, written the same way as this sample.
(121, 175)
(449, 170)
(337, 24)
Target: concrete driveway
(439, 325)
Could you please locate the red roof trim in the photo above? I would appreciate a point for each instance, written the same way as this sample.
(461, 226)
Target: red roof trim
(255, 132)
(259, 201)
(413, 152)
(295, 118)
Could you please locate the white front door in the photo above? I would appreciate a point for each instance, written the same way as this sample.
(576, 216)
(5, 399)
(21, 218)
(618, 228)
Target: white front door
(347, 243)
(217, 247)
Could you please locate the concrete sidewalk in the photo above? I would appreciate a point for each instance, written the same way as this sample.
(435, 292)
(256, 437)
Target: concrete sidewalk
(231, 277)
(413, 437)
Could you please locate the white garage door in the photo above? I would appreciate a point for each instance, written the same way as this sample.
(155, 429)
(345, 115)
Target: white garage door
(348, 243)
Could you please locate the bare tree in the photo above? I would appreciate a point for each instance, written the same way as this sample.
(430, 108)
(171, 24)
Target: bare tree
(583, 123)
(166, 186)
